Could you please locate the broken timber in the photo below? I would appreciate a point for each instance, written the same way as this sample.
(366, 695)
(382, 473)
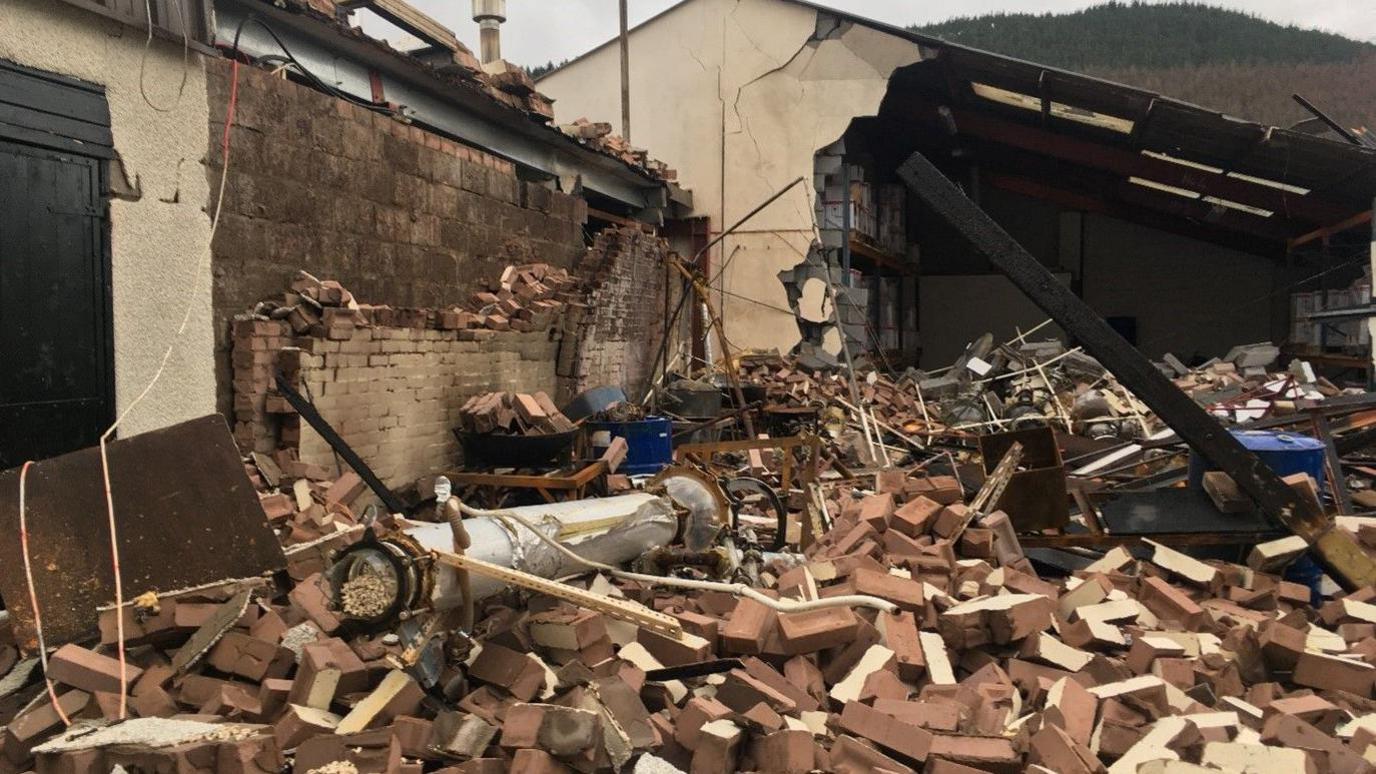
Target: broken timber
(1338, 551)
(641, 616)
(992, 489)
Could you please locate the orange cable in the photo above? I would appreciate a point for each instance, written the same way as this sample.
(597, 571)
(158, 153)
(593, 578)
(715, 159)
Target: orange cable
(33, 591)
(105, 437)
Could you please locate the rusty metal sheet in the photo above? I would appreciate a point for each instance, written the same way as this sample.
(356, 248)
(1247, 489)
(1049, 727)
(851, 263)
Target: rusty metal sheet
(1035, 498)
(186, 512)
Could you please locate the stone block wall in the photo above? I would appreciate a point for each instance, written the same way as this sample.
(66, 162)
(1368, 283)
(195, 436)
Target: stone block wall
(389, 210)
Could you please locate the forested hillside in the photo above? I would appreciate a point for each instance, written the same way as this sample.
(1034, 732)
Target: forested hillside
(1222, 59)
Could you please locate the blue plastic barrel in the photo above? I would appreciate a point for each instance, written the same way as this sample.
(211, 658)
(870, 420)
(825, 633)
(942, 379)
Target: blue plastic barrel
(1307, 572)
(1284, 453)
(649, 443)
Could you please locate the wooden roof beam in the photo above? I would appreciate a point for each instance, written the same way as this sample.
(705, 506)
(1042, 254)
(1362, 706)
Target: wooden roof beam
(1228, 235)
(1359, 219)
(1129, 163)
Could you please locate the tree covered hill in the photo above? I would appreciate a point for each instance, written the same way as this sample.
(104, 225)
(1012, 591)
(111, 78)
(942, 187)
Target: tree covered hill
(1222, 59)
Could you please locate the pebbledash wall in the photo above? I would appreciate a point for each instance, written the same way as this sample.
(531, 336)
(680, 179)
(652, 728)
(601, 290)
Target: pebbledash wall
(158, 235)
(398, 215)
(394, 392)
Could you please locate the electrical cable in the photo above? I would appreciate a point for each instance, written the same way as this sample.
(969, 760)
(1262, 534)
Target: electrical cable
(734, 589)
(33, 592)
(147, 44)
(235, 51)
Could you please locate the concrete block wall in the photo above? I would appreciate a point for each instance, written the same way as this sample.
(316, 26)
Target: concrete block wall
(392, 393)
(389, 210)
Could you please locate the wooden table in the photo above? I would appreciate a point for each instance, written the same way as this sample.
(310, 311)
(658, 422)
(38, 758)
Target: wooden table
(783, 445)
(565, 483)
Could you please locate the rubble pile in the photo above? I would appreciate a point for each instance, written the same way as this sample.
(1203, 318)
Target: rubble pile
(791, 382)
(1032, 383)
(598, 134)
(513, 413)
(1159, 663)
(526, 298)
(308, 508)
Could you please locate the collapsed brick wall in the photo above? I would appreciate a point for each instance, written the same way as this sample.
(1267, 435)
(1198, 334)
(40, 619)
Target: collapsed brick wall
(392, 381)
(392, 392)
(613, 338)
(387, 209)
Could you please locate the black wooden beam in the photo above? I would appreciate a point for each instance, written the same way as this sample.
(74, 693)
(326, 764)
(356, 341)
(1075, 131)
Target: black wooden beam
(341, 447)
(1349, 565)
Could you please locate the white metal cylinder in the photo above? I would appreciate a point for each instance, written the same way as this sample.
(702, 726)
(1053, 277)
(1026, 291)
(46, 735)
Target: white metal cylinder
(618, 529)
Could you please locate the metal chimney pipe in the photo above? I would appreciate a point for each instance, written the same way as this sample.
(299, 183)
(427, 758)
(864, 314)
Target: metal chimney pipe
(489, 14)
(625, 75)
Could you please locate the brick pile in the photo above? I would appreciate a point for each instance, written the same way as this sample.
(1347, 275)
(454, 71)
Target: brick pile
(390, 380)
(598, 135)
(1164, 663)
(513, 413)
(790, 382)
(305, 503)
(526, 298)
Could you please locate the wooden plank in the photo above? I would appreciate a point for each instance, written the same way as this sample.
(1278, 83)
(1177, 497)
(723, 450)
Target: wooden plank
(718, 447)
(1166, 538)
(85, 131)
(407, 17)
(619, 609)
(1360, 219)
(523, 481)
(1333, 464)
(69, 99)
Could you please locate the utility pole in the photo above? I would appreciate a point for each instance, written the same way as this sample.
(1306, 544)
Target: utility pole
(625, 76)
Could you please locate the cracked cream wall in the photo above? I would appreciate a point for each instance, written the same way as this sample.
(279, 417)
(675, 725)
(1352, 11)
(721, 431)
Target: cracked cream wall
(737, 97)
(157, 244)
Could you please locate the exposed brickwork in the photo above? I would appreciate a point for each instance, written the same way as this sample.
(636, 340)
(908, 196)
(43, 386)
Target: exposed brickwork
(394, 213)
(393, 393)
(613, 338)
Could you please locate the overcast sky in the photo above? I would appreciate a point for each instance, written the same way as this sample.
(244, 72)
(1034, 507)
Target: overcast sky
(538, 31)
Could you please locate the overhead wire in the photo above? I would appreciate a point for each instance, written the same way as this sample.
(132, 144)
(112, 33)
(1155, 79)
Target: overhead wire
(252, 18)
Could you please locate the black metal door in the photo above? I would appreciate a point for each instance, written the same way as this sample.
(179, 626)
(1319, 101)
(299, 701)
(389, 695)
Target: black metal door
(56, 373)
